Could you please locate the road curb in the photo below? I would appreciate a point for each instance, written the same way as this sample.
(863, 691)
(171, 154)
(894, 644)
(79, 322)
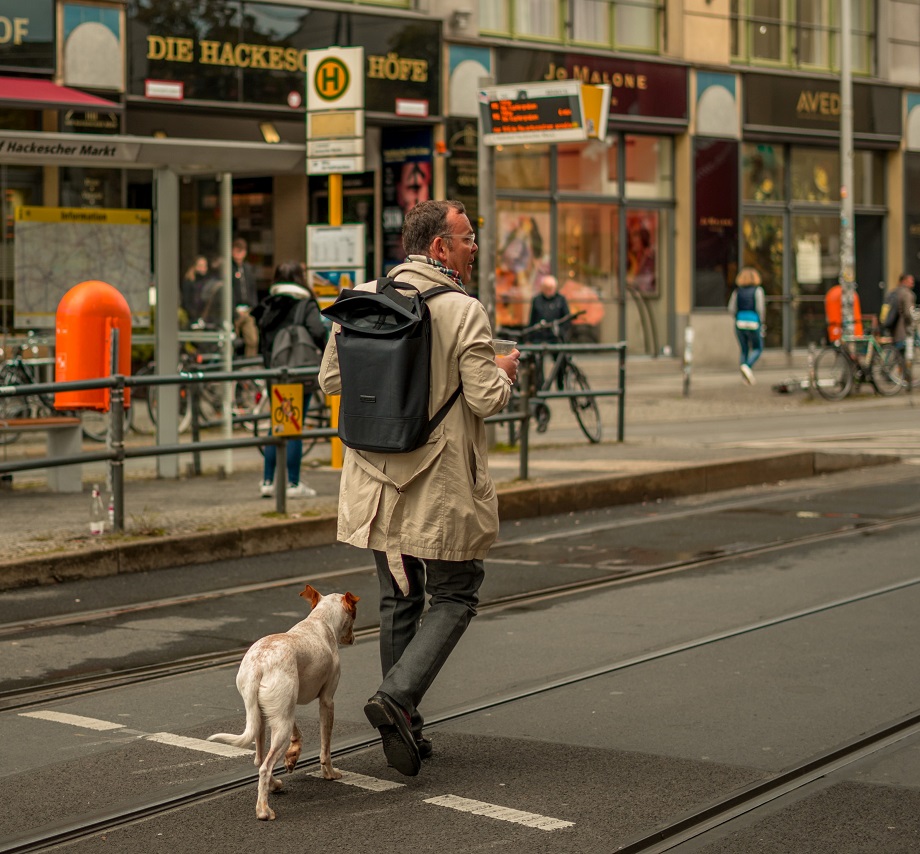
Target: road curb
(535, 498)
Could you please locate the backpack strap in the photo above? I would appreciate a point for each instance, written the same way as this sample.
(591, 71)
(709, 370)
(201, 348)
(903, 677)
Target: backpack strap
(388, 285)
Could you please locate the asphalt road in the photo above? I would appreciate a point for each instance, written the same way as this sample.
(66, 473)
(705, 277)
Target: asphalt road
(670, 691)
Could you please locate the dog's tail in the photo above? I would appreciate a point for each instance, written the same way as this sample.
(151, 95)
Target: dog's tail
(250, 692)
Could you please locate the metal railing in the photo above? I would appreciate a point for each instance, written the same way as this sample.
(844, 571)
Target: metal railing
(116, 452)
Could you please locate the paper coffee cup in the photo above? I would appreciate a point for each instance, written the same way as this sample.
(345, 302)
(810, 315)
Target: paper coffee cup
(503, 346)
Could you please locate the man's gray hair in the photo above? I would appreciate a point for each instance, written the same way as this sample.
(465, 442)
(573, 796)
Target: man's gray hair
(425, 222)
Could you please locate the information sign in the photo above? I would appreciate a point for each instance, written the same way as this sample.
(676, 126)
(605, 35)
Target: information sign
(287, 409)
(335, 247)
(532, 112)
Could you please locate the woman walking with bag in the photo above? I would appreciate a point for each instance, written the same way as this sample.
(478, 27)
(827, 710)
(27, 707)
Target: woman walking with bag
(748, 307)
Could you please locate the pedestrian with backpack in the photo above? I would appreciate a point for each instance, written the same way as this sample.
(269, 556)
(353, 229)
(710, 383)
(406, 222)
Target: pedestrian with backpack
(291, 335)
(430, 513)
(896, 318)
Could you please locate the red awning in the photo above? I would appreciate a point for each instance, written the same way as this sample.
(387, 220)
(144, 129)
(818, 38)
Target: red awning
(44, 94)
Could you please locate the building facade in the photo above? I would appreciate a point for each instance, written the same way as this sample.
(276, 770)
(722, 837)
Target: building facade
(721, 149)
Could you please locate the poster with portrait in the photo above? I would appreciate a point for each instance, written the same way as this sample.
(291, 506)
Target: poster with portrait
(522, 258)
(641, 258)
(407, 176)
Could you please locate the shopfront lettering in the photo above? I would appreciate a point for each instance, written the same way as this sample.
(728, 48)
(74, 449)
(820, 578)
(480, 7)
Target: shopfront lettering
(229, 54)
(616, 79)
(13, 30)
(396, 67)
(271, 58)
(170, 49)
(818, 103)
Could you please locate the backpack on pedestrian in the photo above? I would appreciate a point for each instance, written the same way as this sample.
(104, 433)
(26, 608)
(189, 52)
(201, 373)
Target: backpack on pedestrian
(888, 316)
(290, 345)
(384, 352)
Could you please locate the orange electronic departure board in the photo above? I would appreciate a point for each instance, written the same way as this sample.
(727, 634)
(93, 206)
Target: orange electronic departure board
(532, 112)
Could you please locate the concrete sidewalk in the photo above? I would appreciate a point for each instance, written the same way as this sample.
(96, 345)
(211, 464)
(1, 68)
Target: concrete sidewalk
(45, 536)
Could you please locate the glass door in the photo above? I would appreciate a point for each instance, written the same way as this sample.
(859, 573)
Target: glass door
(816, 265)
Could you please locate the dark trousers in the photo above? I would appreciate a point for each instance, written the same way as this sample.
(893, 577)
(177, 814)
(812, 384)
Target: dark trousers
(413, 648)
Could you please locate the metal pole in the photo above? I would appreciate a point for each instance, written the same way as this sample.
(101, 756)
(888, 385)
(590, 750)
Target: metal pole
(226, 243)
(526, 380)
(117, 438)
(486, 228)
(847, 241)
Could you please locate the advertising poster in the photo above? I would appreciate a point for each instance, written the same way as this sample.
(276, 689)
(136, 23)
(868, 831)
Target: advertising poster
(407, 172)
(641, 265)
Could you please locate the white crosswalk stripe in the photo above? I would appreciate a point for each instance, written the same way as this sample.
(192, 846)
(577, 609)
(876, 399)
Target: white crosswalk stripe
(528, 819)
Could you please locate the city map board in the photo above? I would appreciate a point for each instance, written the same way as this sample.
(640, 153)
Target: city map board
(57, 248)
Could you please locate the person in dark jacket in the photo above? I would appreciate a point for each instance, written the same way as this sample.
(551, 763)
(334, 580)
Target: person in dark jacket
(271, 315)
(549, 305)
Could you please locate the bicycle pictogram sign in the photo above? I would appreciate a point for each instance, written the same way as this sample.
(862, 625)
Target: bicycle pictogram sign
(287, 409)
(331, 79)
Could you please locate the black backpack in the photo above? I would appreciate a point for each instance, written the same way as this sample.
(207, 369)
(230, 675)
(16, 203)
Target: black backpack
(384, 352)
(889, 317)
(287, 343)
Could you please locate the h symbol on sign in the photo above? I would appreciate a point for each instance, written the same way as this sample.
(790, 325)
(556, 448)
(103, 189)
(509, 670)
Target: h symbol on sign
(329, 80)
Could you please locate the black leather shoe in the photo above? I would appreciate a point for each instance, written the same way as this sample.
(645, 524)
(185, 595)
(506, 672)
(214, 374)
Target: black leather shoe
(392, 723)
(424, 746)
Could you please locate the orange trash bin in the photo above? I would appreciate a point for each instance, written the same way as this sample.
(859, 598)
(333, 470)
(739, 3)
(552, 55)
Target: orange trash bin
(86, 317)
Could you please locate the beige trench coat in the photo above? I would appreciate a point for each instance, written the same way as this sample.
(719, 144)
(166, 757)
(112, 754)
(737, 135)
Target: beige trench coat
(438, 501)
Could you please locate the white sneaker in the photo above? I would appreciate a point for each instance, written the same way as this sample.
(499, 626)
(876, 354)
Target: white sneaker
(266, 489)
(300, 490)
(748, 375)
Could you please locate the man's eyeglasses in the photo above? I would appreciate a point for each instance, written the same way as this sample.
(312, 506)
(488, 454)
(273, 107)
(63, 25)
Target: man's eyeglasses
(468, 239)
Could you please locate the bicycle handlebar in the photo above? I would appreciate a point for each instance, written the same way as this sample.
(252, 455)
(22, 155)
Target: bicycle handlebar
(555, 324)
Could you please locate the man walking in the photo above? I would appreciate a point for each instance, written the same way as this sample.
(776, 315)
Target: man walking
(904, 302)
(429, 515)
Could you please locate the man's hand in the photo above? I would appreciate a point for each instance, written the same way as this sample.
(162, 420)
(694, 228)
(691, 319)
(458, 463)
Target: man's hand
(509, 364)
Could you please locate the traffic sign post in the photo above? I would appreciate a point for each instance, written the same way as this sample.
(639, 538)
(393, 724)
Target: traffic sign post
(335, 140)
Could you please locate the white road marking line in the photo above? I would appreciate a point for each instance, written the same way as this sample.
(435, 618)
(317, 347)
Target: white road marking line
(73, 720)
(199, 744)
(528, 819)
(372, 784)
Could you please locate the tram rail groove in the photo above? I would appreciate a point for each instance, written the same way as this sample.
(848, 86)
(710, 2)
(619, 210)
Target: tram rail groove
(693, 823)
(23, 698)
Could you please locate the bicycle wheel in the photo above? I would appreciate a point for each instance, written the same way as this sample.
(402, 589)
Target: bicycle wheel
(10, 408)
(95, 425)
(833, 374)
(888, 370)
(585, 408)
(185, 415)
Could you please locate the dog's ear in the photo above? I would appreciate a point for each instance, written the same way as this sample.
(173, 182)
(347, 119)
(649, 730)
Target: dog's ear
(349, 601)
(312, 595)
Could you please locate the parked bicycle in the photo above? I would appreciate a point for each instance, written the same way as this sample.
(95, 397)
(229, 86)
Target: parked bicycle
(844, 365)
(19, 371)
(563, 375)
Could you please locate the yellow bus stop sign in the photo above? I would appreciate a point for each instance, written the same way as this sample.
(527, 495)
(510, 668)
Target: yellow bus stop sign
(287, 409)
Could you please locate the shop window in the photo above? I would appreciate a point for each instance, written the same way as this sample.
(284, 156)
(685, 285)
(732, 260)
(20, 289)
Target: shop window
(648, 167)
(522, 257)
(763, 176)
(590, 22)
(584, 167)
(762, 249)
(522, 167)
(589, 260)
(815, 175)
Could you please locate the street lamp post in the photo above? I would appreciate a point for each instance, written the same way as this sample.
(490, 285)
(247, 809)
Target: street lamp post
(847, 277)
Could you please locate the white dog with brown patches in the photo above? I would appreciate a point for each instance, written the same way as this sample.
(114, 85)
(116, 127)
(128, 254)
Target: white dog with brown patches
(281, 672)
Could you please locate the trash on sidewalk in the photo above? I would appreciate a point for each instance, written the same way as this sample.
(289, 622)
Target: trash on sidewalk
(791, 385)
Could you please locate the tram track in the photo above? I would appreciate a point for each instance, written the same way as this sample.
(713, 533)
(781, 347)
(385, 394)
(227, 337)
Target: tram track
(674, 832)
(23, 698)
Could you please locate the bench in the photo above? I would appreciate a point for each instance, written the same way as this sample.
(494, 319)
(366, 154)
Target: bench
(65, 439)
